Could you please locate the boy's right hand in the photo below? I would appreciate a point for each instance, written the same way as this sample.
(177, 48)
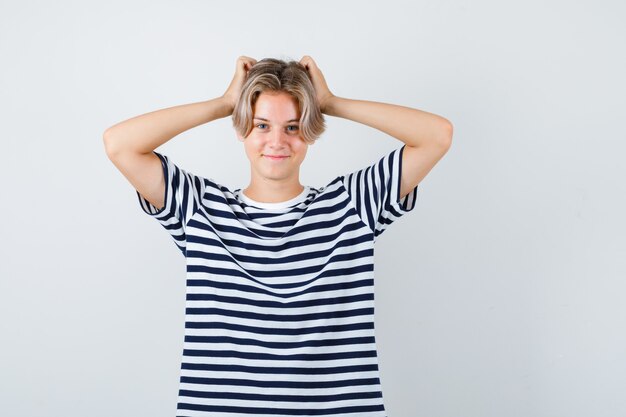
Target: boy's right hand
(244, 63)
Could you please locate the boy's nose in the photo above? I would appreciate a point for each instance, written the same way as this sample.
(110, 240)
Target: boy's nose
(277, 137)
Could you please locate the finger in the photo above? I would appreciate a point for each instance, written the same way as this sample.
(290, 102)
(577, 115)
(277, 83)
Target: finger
(244, 61)
(251, 62)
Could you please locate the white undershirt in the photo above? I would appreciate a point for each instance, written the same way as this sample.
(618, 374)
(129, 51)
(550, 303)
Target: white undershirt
(278, 205)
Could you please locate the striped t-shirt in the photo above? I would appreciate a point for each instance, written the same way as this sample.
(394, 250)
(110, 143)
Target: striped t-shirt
(279, 317)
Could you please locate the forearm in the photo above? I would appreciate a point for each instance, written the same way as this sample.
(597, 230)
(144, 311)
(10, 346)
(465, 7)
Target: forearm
(145, 133)
(411, 126)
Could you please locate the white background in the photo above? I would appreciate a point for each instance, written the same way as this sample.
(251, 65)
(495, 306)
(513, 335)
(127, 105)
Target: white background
(501, 294)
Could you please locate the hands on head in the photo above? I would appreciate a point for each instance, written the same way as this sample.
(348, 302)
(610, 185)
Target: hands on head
(322, 92)
(244, 63)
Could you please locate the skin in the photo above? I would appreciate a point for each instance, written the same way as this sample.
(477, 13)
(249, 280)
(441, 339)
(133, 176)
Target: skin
(272, 180)
(130, 144)
(427, 136)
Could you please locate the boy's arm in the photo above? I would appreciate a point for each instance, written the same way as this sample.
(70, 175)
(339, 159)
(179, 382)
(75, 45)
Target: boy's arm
(143, 134)
(427, 136)
(130, 144)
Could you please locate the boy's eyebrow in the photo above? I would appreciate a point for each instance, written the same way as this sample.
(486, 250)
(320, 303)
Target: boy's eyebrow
(288, 121)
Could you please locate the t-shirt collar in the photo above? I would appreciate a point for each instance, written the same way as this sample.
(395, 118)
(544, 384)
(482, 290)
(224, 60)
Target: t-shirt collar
(279, 205)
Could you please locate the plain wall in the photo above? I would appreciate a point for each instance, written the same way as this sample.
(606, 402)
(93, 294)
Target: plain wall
(501, 294)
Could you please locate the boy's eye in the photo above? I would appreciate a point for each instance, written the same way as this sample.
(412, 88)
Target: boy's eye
(290, 126)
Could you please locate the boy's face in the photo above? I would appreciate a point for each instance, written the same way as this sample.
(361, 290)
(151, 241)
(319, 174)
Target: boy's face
(278, 135)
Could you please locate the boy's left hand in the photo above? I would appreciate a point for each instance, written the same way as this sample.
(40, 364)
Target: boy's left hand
(319, 82)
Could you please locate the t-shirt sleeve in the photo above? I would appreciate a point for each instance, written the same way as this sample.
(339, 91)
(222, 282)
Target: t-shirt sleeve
(183, 196)
(375, 192)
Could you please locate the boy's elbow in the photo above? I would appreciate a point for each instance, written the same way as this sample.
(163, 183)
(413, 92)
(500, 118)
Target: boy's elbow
(108, 141)
(448, 131)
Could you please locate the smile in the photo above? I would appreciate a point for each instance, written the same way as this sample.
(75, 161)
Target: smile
(275, 158)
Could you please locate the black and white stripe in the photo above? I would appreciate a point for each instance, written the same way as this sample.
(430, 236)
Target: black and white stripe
(279, 314)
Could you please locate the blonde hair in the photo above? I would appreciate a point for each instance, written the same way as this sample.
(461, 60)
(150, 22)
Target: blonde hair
(275, 75)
